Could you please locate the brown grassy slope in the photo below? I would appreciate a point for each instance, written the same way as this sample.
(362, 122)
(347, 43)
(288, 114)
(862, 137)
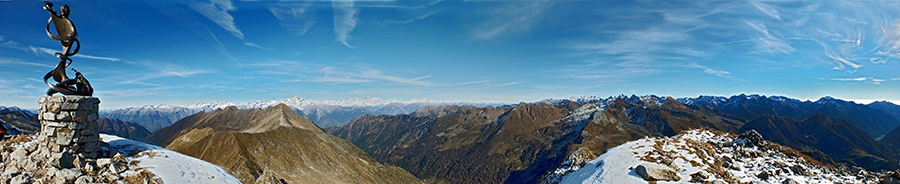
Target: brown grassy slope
(454, 144)
(294, 155)
(266, 146)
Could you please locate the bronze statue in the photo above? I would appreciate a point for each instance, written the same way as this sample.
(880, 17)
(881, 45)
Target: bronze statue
(67, 37)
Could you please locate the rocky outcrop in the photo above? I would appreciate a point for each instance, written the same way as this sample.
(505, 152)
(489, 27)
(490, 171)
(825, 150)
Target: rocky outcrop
(654, 172)
(709, 156)
(23, 160)
(67, 149)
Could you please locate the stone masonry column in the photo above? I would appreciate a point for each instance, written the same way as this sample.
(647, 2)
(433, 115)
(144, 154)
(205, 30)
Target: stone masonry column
(69, 129)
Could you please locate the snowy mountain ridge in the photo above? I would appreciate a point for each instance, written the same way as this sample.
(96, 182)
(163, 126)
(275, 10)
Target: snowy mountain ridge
(705, 156)
(325, 113)
(372, 103)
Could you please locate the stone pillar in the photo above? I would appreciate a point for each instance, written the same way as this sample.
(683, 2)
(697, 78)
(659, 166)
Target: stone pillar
(69, 128)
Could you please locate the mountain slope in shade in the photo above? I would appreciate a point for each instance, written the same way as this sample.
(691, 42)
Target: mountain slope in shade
(122, 129)
(839, 140)
(19, 121)
(891, 139)
(464, 144)
(274, 145)
(888, 107)
(873, 121)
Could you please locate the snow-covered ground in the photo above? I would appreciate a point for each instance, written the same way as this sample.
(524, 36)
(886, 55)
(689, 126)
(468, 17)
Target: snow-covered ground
(701, 151)
(171, 166)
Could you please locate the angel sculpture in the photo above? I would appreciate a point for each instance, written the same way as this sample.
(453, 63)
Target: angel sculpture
(67, 37)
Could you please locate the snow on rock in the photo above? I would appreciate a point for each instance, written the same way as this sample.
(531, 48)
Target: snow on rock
(170, 166)
(707, 156)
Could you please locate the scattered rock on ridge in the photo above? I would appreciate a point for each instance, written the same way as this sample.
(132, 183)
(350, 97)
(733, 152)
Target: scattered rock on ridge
(751, 139)
(654, 171)
(699, 176)
(697, 151)
(22, 163)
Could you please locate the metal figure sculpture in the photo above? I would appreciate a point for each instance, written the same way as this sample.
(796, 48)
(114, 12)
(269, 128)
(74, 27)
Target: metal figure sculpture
(67, 37)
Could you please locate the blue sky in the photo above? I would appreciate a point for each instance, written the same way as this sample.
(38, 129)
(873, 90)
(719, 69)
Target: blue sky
(181, 52)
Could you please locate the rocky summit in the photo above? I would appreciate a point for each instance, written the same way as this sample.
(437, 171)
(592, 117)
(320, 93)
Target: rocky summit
(22, 160)
(274, 145)
(709, 156)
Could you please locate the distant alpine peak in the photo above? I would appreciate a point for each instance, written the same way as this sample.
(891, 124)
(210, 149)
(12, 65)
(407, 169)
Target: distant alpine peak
(300, 103)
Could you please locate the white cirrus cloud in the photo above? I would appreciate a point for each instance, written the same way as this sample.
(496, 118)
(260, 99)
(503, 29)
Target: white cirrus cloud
(514, 17)
(345, 19)
(720, 73)
(217, 11)
(296, 18)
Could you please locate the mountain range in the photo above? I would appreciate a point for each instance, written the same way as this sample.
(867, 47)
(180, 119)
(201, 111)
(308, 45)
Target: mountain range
(466, 142)
(874, 122)
(18, 121)
(324, 113)
(525, 143)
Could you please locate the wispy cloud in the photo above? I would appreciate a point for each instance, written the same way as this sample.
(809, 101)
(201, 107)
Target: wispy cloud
(502, 85)
(841, 61)
(11, 89)
(413, 19)
(185, 19)
(311, 72)
(9, 43)
(720, 73)
(345, 19)
(473, 82)
(217, 11)
(162, 70)
(872, 80)
(514, 17)
(142, 92)
(97, 57)
(890, 41)
(849, 79)
(768, 43)
(10, 61)
(53, 52)
(338, 80)
(377, 74)
(296, 18)
(765, 8)
(628, 51)
(254, 45)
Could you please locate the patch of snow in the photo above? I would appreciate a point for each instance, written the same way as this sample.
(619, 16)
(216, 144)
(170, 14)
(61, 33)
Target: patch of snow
(171, 166)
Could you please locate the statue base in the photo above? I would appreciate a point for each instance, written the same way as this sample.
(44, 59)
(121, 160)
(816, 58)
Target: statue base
(69, 132)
